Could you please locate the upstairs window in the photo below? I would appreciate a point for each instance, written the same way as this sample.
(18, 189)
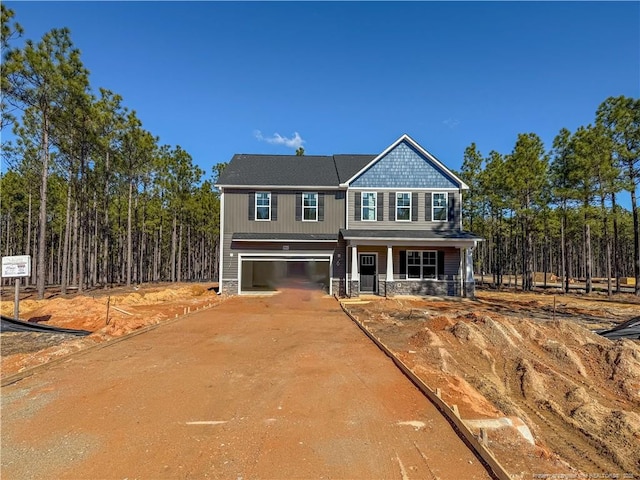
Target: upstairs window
(439, 207)
(263, 206)
(310, 207)
(403, 207)
(369, 204)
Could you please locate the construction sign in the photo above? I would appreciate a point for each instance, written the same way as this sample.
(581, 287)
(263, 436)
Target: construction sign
(16, 266)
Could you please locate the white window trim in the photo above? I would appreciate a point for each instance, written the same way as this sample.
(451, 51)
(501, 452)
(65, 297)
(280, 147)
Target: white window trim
(262, 206)
(433, 206)
(315, 208)
(422, 277)
(409, 207)
(375, 207)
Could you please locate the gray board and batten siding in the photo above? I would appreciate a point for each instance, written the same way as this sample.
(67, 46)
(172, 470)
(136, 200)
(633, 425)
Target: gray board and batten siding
(421, 214)
(238, 206)
(237, 215)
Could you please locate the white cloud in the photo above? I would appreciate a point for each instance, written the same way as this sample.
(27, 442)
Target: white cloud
(451, 122)
(276, 139)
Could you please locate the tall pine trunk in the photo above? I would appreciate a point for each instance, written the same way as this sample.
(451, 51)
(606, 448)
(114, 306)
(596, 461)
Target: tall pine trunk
(616, 244)
(28, 252)
(565, 251)
(94, 243)
(636, 241)
(74, 247)
(587, 253)
(105, 226)
(179, 268)
(129, 239)
(42, 217)
(528, 268)
(607, 243)
(174, 240)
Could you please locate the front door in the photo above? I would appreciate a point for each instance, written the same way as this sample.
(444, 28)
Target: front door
(368, 272)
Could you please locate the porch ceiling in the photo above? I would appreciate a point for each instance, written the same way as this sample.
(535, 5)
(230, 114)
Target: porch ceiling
(444, 236)
(284, 237)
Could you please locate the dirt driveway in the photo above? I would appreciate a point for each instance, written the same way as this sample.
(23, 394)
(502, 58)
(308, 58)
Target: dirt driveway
(270, 387)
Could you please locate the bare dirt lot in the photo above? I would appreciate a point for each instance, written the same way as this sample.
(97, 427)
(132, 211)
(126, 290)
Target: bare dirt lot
(504, 356)
(107, 313)
(511, 358)
(279, 387)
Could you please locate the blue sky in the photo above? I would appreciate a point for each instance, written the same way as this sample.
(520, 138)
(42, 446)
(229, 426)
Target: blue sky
(352, 77)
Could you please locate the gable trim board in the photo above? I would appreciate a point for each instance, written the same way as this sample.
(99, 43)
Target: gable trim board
(267, 187)
(398, 189)
(406, 138)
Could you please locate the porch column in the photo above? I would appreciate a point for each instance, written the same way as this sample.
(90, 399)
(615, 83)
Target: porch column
(354, 284)
(389, 263)
(389, 286)
(355, 275)
(469, 279)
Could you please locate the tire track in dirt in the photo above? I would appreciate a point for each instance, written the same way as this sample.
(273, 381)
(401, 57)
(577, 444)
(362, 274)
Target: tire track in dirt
(577, 455)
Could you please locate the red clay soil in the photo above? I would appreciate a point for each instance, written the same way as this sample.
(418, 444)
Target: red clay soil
(279, 387)
(506, 356)
(108, 314)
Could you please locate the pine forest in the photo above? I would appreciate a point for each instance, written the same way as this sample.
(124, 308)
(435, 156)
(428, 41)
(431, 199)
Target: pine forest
(97, 200)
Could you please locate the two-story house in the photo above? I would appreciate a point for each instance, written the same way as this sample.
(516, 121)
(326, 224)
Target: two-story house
(386, 224)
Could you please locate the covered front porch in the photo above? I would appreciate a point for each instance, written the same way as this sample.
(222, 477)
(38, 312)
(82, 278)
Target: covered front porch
(427, 263)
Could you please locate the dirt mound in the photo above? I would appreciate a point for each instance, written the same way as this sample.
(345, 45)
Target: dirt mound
(579, 393)
(565, 355)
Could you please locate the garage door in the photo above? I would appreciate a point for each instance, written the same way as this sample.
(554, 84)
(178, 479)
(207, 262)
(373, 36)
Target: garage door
(270, 274)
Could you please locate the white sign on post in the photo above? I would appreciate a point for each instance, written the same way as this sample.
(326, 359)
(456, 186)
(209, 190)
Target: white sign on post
(17, 266)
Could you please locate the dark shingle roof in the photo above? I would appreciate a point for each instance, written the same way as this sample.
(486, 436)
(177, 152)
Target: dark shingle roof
(292, 170)
(348, 165)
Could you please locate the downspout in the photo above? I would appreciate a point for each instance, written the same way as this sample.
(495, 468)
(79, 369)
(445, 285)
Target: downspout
(460, 224)
(461, 270)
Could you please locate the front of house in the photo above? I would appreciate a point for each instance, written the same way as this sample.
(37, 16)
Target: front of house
(387, 224)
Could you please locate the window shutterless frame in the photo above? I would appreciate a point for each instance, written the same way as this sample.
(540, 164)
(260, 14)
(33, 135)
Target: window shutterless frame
(403, 207)
(422, 264)
(369, 206)
(309, 207)
(263, 206)
(439, 207)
